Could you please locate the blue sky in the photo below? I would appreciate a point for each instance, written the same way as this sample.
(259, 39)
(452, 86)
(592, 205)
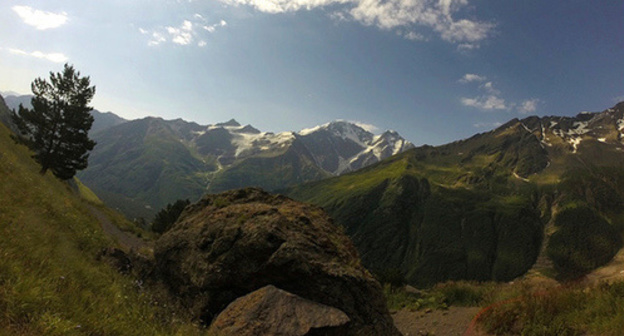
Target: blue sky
(433, 70)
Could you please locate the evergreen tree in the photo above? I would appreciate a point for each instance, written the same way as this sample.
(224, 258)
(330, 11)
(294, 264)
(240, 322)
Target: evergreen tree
(57, 126)
(166, 217)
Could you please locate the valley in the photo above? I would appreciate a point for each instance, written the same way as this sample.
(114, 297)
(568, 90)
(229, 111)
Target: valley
(463, 220)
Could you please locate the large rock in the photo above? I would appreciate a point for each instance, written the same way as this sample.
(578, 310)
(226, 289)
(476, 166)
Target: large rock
(228, 245)
(272, 311)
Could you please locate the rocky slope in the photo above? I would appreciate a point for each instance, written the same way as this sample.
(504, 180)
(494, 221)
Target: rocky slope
(229, 245)
(487, 207)
(181, 159)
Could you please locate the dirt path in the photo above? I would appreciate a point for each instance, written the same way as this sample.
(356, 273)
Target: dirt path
(126, 240)
(452, 322)
(610, 272)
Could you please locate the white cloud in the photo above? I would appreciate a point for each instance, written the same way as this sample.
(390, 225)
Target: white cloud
(488, 124)
(184, 34)
(40, 19)
(487, 102)
(437, 15)
(52, 57)
(491, 99)
(368, 127)
(414, 36)
(472, 78)
(528, 106)
(618, 99)
(213, 28)
(489, 87)
(156, 39)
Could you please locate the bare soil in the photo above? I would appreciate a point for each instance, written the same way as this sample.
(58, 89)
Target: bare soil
(452, 322)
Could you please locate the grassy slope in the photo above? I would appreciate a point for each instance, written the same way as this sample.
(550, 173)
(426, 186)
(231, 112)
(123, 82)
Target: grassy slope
(133, 166)
(50, 280)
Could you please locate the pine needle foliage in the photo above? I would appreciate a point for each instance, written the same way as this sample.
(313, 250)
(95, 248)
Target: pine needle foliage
(57, 126)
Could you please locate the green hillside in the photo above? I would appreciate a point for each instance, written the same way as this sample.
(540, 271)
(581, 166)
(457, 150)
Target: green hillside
(270, 171)
(51, 282)
(149, 167)
(484, 208)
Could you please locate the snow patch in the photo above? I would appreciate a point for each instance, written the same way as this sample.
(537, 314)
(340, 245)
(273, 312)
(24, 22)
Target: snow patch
(602, 139)
(526, 128)
(580, 128)
(575, 142)
(245, 142)
(307, 131)
(620, 125)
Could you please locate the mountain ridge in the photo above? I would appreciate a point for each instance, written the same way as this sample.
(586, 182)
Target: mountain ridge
(485, 208)
(221, 156)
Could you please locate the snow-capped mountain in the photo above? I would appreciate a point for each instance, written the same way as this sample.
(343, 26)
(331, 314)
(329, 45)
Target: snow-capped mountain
(180, 159)
(337, 147)
(605, 127)
(341, 146)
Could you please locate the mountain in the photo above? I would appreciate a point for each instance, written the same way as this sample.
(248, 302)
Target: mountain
(102, 120)
(488, 207)
(142, 165)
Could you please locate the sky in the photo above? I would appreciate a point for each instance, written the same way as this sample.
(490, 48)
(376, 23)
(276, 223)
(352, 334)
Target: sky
(436, 71)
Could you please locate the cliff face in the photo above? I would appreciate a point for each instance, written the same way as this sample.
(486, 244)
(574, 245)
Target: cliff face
(229, 245)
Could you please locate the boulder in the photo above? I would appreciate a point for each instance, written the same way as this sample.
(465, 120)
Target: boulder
(272, 311)
(228, 245)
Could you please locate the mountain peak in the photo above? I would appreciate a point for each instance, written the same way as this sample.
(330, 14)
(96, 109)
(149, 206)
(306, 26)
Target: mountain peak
(232, 122)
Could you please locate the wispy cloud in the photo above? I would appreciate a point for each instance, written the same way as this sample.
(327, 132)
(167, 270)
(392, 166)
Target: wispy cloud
(213, 27)
(185, 34)
(40, 19)
(439, 16)
(528, 106)
(486, 102)
(487, 124)
(52, 57)
(618, 99)
(368, 127)
(491, 98)
(472, 78)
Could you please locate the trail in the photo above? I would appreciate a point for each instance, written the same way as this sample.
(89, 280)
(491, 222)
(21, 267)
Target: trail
(451, 322)
(126, 240)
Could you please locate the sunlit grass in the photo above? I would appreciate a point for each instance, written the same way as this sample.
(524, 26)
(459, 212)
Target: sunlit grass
(51, 282)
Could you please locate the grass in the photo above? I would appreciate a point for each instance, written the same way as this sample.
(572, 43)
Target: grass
(50, 280)
(450, 293)
(574, 310)
(525, 307)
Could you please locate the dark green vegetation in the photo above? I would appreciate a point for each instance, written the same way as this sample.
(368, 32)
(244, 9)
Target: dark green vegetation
(574, 310)
(291, 166)
(481, 208)
(143, 162)
(584, 240)
(50, 280)
(57, 126)
(5, 114)
(166, 217)
(101, 120)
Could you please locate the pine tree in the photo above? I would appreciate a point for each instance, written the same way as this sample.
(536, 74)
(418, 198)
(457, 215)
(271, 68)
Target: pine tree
(57, 126)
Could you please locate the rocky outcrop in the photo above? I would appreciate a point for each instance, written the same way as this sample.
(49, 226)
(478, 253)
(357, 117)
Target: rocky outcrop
(229, 245)
(272, 311)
